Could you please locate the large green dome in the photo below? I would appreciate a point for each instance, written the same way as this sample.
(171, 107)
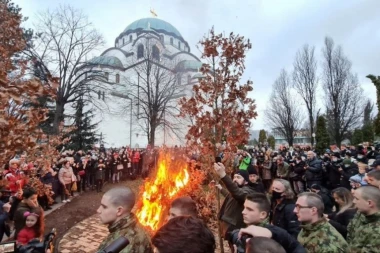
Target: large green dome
(155, 24)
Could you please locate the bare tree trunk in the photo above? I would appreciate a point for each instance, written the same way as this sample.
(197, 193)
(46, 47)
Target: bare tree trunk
(219, 227)
(283, 113)
(58, 116)
(343, 94)
(305, 81)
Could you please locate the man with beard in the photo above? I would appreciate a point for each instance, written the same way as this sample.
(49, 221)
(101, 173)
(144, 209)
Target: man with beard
(230, 214)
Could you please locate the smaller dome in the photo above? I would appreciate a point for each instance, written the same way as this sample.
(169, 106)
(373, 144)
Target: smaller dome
(107, 60)
(189, 65)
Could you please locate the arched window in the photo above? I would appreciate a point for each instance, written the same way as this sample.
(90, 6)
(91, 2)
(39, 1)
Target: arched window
(123, 41)
(106, 74)
(189, 79)
(140, 51)
(171, 41)
(179, 79)
(162, 38)
(130, 38)
(155, 53)
(117, 78)
(179, 44)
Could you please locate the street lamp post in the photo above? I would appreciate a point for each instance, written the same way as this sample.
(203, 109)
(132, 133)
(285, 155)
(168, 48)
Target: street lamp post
(313, 135)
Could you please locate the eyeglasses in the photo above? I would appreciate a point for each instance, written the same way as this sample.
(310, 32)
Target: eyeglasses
(299, 207)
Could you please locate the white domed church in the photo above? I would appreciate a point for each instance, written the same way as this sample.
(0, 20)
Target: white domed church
(150, 52)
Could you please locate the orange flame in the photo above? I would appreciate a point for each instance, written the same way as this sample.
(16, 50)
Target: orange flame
(159, 190)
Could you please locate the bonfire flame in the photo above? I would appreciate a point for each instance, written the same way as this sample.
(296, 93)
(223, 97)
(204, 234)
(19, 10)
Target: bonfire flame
(159, 190)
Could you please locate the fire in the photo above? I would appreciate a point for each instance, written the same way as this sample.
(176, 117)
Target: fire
(160, 189)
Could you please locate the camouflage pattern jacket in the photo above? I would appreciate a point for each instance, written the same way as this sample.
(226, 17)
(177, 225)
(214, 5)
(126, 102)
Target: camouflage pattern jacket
(364, 233)
(322, 237)
(129, 227)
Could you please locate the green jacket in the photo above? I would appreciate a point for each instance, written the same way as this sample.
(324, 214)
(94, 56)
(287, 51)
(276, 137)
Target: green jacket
(139, 240)
(245, 163)
(322, 237)
(363, 233)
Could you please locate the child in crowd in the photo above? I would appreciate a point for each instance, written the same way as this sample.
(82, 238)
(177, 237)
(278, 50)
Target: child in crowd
(34, 227)
(100, 175)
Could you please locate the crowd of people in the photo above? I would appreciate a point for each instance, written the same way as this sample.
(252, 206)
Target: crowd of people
(274, 201)
(31, 185)
(289, 200)
(304, 201)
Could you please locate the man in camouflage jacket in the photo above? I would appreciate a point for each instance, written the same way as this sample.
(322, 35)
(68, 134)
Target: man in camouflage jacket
(317, 234)
(364, 229)
(115, 211)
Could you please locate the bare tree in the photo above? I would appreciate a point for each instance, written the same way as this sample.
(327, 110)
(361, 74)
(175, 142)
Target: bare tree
(283, 113)
(155, 87)
(305, 82)
(64, 39)
(343, 94)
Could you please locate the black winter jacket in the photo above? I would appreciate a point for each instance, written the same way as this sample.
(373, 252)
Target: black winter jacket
(341, 221)
(288, 242)
(315, 170)
(283, 216)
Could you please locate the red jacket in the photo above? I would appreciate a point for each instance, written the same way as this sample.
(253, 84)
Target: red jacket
(25, 235)
(136, 157)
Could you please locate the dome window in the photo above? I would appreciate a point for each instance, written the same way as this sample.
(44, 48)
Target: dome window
(130, 38)
(188, 79)
(123, 41)
(140, 51)
(179, 79)
(106, 75)
(155, 53)
(162, 38)
(117, 78)
(171, 41)
(179, 44)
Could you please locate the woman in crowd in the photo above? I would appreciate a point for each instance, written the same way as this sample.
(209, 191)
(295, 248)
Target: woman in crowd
(266, 168)
(346, 210)
(283, 204)
(65, 176)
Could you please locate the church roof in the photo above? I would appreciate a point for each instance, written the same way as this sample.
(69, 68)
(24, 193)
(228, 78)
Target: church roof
(155, 24)
(107, 60)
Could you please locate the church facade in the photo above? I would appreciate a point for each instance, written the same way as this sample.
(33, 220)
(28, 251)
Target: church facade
(149, 55)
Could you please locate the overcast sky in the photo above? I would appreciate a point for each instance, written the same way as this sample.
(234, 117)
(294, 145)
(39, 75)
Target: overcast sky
(277, 29)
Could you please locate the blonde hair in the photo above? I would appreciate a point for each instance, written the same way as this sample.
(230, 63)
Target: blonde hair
(346, 196)
(289, 193)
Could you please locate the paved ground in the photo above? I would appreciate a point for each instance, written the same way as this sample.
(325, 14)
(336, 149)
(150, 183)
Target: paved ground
(84, 237)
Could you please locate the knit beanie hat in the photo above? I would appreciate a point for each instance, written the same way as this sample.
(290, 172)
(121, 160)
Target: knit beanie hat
(244, 174)
(252, 170)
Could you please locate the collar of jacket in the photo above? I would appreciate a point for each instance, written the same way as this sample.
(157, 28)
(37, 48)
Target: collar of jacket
(370, 218)
(127, 221)
(264, 222)
(314, 226)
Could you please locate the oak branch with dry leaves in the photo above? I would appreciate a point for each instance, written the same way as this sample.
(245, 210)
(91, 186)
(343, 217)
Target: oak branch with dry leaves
(220, 109)
(19, 124)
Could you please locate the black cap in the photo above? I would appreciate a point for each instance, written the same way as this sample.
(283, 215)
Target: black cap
(376, 163)
(252, 170)
(244, 174)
